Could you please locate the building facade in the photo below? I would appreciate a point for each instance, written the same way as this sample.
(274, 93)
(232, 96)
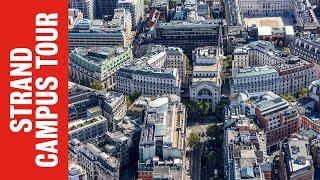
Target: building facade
(98, 164)
(294, 75)
(182, 34)
(89, 65)
(76, 172)
(307, 48)
(87, 7)
(96, 33)
(266, 8)
(302, 12)
(254, 79)
(87, 129)
(298, 159)
(162, 140)
(176, 59)
(206, 81)
(147, 81)
(267, 69)
(276, 116)
(136, 8)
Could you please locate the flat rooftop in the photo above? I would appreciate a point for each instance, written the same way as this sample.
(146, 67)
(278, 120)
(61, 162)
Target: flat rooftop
(253, 71)
(97, 55)
(300, 157)
(274, 22)
(206, 68)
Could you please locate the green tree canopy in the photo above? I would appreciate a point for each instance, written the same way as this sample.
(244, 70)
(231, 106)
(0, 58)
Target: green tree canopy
(135, 96)
(203, 108)
(193, 140)
(214, 131)
(286, 50)
(288, 97)
(303, 93)
(96, 85)
(129, 102)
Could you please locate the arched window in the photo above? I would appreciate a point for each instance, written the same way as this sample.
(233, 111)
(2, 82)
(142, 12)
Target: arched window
(204, 92)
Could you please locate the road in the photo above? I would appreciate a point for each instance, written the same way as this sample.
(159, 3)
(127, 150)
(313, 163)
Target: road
(196, 162)
(193, 157)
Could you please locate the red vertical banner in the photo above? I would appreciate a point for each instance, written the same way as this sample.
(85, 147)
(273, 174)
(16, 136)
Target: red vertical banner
(33, 90)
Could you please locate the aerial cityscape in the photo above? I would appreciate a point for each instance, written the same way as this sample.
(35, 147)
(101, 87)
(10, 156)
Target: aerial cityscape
(194, 89)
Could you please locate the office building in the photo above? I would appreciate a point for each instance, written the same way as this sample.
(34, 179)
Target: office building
(97, 65)
(305, 16)
(234, 17)
(117, 144)
(87, 129)
(301, 12)
(295, 74)
(96, 33)
(76, 172)
(256, 53)
(269, 8)
(175, 58)
(307, 48)
(87, 7)
(245, 153)
(298, 159)
(275, 115)
(314, 92)
(73, 16)
(292, 73)
(188, 35)
(162, 143)
(86, 103)
(136, 8)
(244, 149)
(254, 79)
(157, 72)
(122, 17)
(147, 81)
(97, 163)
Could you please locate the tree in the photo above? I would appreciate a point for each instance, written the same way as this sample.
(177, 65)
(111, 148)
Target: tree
(135, 96)
(203, 108)
(227, 63)
(187, 61)
(286, 50)
(303, 93)
(214, 131)
(219, 109)
(215, 158)
(193, 140)
(96, 85)
(192, 109)
(282, 168)
(288, 97)
(215, 161)
(129, 102)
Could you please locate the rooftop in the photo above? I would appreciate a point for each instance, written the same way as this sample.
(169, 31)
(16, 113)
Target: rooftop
(74, 125)
(98, 55)
(299, 154)
(163, 120)
(267, 101)
(253, 71)
(205, 68)
(188, 24)
(95, 25)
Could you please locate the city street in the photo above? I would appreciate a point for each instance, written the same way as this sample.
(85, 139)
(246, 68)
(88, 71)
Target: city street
(193, 157)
